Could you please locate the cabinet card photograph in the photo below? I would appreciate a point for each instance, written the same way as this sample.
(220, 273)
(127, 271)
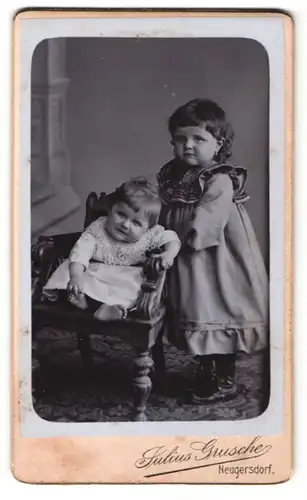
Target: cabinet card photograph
(152, 171)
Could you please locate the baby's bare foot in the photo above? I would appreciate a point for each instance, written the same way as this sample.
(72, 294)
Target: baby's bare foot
(109, 313)
(79, 301)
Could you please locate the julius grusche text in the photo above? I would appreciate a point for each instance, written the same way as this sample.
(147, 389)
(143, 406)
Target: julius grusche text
(198, 454)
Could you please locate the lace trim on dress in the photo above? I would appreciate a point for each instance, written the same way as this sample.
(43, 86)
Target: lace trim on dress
(178, 184)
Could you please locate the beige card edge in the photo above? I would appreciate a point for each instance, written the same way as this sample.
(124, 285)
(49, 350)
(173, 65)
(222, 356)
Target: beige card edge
(112, 459)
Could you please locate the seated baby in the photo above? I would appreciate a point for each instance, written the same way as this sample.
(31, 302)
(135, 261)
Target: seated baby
(103, 271)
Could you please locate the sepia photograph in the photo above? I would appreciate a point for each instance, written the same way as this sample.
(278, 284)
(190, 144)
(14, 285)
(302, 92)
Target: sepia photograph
(150, 229)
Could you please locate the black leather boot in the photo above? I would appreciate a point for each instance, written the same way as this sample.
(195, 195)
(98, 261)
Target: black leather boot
(225, 370)
(205, 386)
(215, 380)
(225, 376)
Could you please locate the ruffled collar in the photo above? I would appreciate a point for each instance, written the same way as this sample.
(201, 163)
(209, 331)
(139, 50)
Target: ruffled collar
(177, 184)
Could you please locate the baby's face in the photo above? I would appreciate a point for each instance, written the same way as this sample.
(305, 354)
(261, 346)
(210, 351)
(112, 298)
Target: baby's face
(195, 145)
(126, 225)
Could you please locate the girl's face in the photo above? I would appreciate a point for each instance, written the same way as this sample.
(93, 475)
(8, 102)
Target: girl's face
(126, 225)
(195, 145)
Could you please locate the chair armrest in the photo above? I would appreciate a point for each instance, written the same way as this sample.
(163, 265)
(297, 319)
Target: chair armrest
(149, 300)
(46, 255)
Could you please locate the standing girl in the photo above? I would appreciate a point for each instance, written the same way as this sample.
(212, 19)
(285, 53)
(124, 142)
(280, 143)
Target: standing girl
(218, 286)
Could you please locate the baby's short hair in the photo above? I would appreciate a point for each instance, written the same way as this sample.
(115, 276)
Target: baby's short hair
(140, 194)
(209, 113)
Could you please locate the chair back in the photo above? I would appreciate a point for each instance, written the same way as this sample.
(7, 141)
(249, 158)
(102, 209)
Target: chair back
(96, 207)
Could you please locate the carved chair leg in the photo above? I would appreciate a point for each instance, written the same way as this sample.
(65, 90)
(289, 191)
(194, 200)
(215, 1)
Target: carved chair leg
(84, 346)
(142, 385)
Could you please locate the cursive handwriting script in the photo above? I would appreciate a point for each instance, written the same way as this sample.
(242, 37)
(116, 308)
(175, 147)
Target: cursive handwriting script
(201, 451)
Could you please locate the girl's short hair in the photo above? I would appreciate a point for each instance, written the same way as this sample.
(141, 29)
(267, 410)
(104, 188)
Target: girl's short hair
(139, 194)
(207, 112)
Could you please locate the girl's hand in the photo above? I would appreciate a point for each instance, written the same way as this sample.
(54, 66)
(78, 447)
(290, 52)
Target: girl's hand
(164, 260)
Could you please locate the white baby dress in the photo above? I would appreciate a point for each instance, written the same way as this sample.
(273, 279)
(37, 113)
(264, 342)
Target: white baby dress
(113, 270)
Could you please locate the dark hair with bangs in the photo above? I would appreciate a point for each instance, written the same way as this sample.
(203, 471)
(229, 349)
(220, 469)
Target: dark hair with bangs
(212, 116)
(139, 194)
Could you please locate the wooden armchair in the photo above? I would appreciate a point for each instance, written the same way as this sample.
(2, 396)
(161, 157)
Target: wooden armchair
(142, 328)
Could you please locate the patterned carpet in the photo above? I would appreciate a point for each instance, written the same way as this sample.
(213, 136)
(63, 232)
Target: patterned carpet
(69, 397)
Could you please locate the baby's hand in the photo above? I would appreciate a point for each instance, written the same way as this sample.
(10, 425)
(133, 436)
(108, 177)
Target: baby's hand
(75, 286)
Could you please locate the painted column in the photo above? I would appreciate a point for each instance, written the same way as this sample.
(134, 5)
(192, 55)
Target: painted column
(52, 195)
